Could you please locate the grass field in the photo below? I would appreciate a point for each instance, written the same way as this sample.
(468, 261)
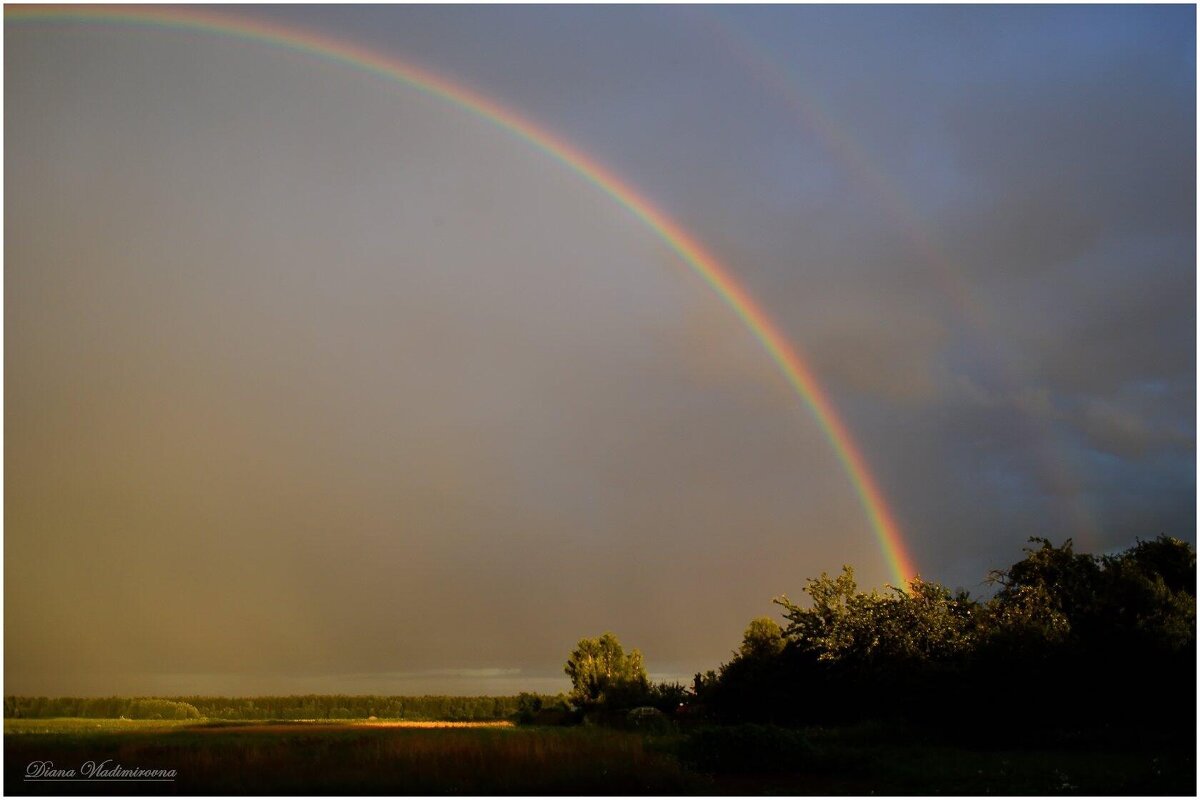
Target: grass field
(350, 758)
(356, 757)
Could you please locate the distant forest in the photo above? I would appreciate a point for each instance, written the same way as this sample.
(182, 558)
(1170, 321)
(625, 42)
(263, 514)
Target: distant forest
(1069, 640)
(311, 706)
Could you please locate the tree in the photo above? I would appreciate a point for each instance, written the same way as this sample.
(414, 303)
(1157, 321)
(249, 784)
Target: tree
(602, 673)
(668, 696)
(868, 630)
(1150, 596)
(763, 639)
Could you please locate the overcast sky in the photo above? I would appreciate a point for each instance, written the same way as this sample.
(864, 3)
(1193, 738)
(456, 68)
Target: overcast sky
(317, 383)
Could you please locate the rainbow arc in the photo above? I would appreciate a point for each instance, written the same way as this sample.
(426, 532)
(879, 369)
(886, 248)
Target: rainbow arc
(720, 278)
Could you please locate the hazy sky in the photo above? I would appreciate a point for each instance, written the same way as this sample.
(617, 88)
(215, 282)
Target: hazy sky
(318, 383)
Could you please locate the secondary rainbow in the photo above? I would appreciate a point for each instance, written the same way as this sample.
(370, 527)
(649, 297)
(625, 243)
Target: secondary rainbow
(789, 86)
(786, 355)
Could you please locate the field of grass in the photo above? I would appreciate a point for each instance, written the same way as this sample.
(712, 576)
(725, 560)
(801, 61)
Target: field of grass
(353, 757)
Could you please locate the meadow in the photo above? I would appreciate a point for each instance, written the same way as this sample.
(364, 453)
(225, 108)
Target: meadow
(411, 757)
(351, 757)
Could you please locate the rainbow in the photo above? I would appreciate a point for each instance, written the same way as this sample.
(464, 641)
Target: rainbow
(786, 355)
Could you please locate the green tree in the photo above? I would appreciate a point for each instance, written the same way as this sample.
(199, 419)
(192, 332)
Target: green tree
(602, 673)
(763, 639)
(1050, 599)
(924, 623)
(1150, 596)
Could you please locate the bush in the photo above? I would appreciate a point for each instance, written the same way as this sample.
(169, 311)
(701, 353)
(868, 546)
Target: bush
(152, 708)
(528, 706)
(747, 749)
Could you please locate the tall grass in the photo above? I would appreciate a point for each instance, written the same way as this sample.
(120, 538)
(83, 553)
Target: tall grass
(376, 761)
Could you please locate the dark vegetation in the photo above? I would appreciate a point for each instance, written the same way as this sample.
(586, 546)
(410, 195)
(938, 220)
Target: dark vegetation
(1069, 641)
(1077, 676)
(296, 707)
(1080, 660)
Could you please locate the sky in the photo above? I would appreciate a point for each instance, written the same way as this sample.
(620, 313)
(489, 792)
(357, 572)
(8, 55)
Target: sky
(318, 383)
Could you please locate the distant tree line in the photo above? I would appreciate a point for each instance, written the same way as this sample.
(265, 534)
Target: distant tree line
(313, 706)
(98, 708)
(1068, 640)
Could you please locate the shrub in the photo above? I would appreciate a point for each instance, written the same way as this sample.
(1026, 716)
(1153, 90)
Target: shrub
(528, 706)
(153, 708)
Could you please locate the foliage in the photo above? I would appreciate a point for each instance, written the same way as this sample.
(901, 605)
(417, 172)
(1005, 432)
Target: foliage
(667, 696)
(1122, 627)
(528, 706)
(1042, 595)
(1143, 597)
(141, 708)
(763, 639)
(602, 673)
(861, 630)
(1063, 630)
(1150, 595)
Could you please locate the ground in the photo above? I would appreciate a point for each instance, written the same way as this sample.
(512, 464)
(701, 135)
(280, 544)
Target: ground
(393, 757)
